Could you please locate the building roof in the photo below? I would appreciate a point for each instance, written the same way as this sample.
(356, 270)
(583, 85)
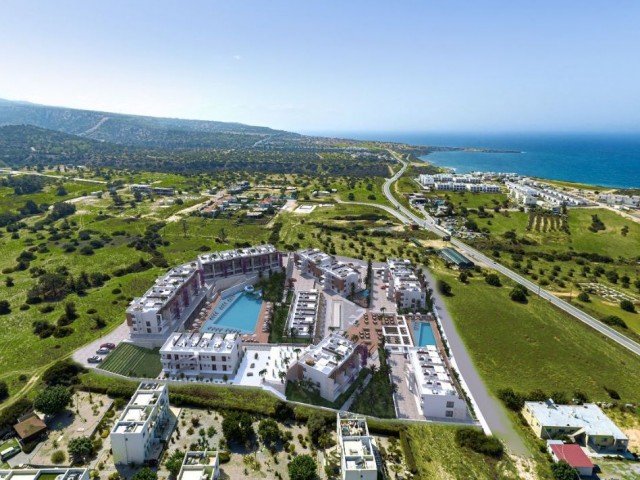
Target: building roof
(572, 454)
(588, 416)
(451, 255)
(30, 426)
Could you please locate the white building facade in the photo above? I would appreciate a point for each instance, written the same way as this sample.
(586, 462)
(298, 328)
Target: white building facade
(404, 286)
(201, 355)
(357, 448)
(331, 274)
(136, 436)
(169, 305)
(438, 397)
(260, 259)
(303, 313)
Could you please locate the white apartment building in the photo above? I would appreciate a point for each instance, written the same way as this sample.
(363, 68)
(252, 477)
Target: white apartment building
(483, 188)
(332, 274)
(331, 366)
(200, 466)
(523, 194)
(303, 313)
(172, 303)
(45, 474)
(357, 448)
(244, 261)
(201, 355)
(137, 435)
(404, 287)
(628, 200)
(438, 397)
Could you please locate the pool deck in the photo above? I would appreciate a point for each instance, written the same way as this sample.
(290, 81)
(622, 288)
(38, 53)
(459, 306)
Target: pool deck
(257, 337)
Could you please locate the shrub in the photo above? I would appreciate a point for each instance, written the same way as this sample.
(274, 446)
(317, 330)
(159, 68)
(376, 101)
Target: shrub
(493, 280)
(477, 441)
(518, 295)
(224, 457)
(512, 400)
(627, 306)
(584, 297)
(58, 457)
(614, 321)
(408, 453)
(443, 287)
(563, 471)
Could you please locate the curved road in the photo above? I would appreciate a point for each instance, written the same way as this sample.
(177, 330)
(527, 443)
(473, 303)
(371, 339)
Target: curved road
(429, 224)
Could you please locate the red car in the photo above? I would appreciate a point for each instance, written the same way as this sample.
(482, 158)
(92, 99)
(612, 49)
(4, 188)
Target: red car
(110, 346)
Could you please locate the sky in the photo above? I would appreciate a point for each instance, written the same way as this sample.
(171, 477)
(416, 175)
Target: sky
(331, 66)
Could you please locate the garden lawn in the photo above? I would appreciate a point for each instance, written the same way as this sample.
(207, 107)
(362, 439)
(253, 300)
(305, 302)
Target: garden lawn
(133, 361)
(536, 346)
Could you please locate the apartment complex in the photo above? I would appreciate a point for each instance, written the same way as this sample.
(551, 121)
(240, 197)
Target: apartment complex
(331, 366)
(404, 287)
(531, 193)
(169, 305)
(137, 436)
(148, 189)
(45, 474)
(201, 355)
(458, 183)
(244, 261)
(303, 313)
(585, 424)
(331, 274)
(436, 391)
(357, 448)
(200, 466)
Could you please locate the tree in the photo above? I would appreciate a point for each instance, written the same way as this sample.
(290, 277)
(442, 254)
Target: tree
(269, 432)
(519, 294)
(237, 427)
(563, 471)
(145, 474)
(5, 307)
(627, 306)
(316, 426)
(4, 390)
(173, 463)
(583, 297)
(443, 287)
(80, 447)
(303, 467)
(493, 279)
(52, 400)
(463, 276)
(9, 281)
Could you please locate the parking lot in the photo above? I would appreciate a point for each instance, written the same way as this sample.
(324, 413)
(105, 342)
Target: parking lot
(116, 336)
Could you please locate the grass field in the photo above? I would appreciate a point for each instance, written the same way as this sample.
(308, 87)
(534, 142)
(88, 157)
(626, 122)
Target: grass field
(536, 346)
(133, 361)
(438, 456)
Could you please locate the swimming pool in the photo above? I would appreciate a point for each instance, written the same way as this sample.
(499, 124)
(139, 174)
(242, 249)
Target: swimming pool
(239, 311)
(423, 333)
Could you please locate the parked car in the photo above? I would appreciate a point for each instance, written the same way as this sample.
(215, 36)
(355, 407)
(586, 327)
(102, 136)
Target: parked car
(102, 351)
(94, 359)
(109, 345)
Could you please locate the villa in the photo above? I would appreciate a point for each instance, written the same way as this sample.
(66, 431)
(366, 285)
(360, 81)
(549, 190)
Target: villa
(260, 259)
(332, 274)
(200, 466)
(195, 355)
(45, 474)
(171, 304)
(331, 366)
(436, 392)
(304, 313)
(585, 424)
(138, 435)
(358, 449)
(404, 287)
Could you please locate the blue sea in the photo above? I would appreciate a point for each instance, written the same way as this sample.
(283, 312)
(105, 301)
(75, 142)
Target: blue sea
(608, 160)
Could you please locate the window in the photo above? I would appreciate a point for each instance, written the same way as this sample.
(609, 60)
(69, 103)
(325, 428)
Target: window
(449, 413)
(449, 404)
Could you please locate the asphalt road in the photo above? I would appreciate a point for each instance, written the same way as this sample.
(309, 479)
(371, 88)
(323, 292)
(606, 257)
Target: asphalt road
(429, 224)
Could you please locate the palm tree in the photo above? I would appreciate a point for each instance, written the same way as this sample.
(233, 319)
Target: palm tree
(293, 331)
(282, 376)
(354, 338)
(383, 309)
(297, 351)
(262, 373)
(285, 361)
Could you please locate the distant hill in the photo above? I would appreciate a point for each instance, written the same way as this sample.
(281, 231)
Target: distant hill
(136, 130)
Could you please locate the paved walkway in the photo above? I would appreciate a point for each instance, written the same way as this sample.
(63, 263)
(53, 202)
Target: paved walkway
(491, 408)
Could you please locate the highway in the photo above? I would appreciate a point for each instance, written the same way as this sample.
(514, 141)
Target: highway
(430, 224)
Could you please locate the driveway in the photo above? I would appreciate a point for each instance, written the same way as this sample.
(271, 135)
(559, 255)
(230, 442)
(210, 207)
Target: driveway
(116, 336)
(406, 401)
(491, 409)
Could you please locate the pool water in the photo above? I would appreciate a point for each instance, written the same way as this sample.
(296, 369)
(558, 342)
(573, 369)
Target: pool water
(239, 311)
(423, 332)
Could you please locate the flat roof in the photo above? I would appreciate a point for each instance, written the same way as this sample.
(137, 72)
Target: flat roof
(455, 257)
(588, 416)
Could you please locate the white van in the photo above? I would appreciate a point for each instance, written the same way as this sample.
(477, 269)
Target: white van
(8, 453)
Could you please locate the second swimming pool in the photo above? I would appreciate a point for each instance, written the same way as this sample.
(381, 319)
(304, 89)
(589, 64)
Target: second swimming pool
(423, 333)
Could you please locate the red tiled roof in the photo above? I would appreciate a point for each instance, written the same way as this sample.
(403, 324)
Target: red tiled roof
(572, 454)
